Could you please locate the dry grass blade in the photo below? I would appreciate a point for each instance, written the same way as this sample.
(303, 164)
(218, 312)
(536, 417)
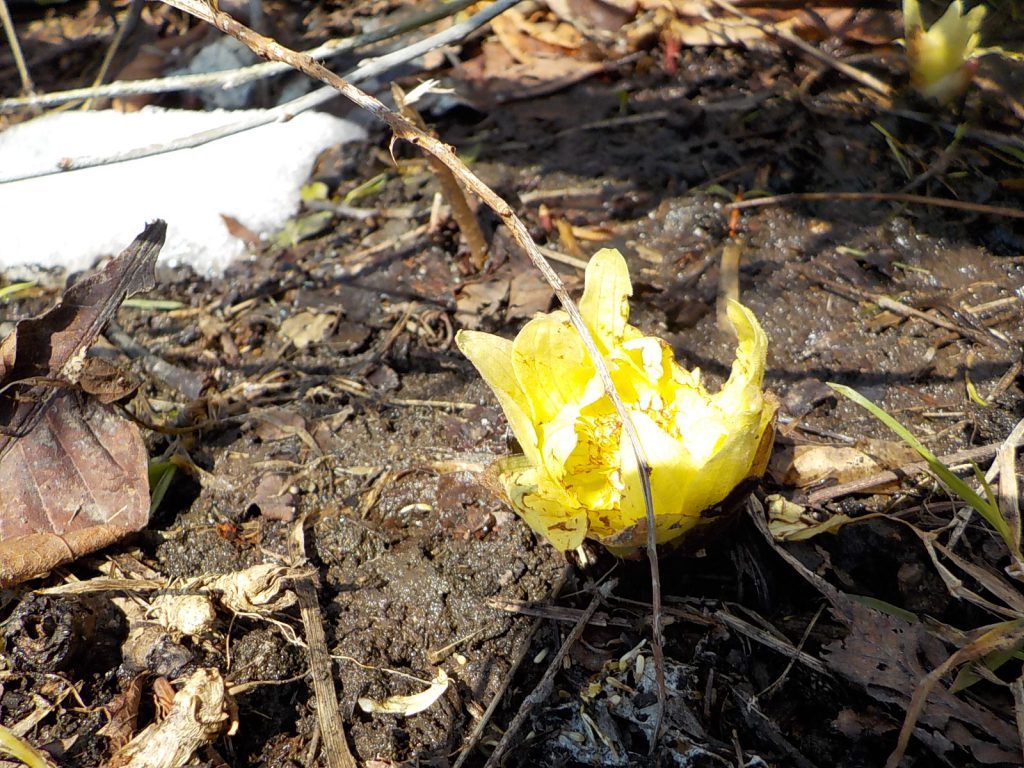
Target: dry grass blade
(406, 130)
(462, 212)
(12, 40)
(1001, 636)
(543, 689)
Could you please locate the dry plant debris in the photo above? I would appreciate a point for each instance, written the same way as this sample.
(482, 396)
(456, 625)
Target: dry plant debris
(201, 712)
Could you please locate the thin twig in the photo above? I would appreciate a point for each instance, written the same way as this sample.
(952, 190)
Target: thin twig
(282, 113)
(851, 72)
(895, 197)
(336, 749)
(403, 129)
(983, 336)
(122, 30)
(524, 648)
(543, 689)
(12, 39)
(232, 78)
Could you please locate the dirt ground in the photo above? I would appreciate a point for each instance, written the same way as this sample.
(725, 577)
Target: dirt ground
(378, 433)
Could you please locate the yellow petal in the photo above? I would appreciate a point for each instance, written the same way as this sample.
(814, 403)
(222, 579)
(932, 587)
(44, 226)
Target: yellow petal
(561, 525)
(911, 16)
(672, 474)
(408, 705)
(551, 366)
(956, 33)
(606, 292)
(743, 389)
(492, 357)
(938, 55)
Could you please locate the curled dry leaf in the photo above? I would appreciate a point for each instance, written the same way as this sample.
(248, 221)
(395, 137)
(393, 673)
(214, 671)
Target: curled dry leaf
(122, 713)
(259, 589)
(801, 466)
(307, 328)
(791, 522)
(74, 471)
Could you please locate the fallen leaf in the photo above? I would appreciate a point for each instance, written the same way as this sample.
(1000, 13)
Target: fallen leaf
(74, 470)
(803, 465)
(105, 381)
(239, 230)
(273, 498)
(307, 328)
(477, 301)
(82, 465)
(122, 713)
(52, 345)
(788, 521)
(603, 15)
(889, 657)
(302, 228)
(495, 77)
(528, 294)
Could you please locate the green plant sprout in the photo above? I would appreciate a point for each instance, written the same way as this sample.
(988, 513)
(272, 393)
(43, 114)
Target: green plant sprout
(985, 506)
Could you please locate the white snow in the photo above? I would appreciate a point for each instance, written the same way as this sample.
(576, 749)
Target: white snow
(70, 219)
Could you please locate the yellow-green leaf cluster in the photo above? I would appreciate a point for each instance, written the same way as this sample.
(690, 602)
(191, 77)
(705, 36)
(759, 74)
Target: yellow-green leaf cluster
(578, 477)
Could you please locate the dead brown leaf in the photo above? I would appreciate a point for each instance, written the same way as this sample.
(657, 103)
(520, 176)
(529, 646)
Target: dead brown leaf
(477, 301)
(804, 465)
(123, 713)
(75, 475)
(307, 327)
(495, 77)
(105, 381)
(598, 15)
(890, 657)
(274, 498)
(52, 346)
(528, 294)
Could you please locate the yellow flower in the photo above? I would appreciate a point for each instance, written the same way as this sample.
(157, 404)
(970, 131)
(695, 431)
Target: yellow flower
(578, 476)
(940, 57)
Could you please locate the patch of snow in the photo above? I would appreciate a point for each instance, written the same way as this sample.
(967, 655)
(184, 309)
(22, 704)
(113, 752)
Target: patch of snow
(71, 219)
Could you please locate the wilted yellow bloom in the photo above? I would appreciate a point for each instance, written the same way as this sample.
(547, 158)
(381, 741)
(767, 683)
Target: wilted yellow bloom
(940, 57)
(578, 476)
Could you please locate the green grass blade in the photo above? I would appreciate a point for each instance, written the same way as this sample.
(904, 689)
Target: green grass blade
(990, 512)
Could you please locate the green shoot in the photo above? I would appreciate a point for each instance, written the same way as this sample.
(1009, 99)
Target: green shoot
(986, 507)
